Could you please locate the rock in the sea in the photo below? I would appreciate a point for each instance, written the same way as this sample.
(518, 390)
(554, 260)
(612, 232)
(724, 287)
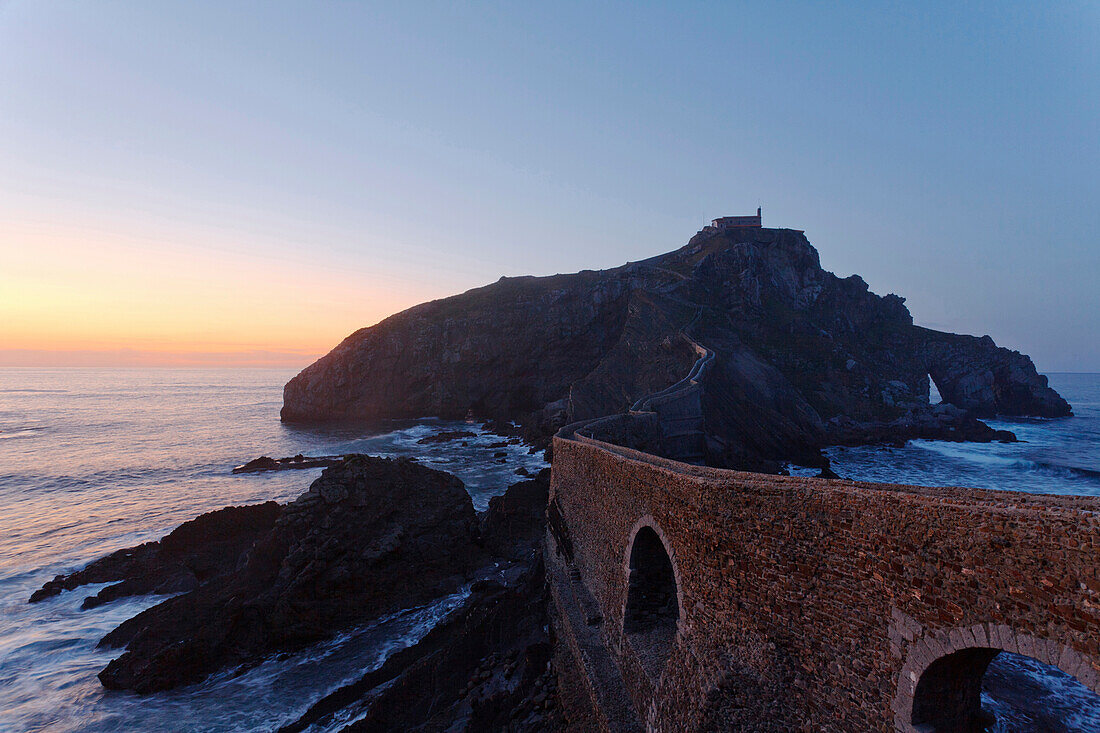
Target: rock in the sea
(977, 375)
(445, 436)
(486, 667)
(371, 536)
(795, 347)
(263, 463)
(266, 463)
(941, 422)
(194, 552)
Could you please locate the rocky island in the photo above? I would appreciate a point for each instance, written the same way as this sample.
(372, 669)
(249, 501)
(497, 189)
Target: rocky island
(799, 358)
(735, 351)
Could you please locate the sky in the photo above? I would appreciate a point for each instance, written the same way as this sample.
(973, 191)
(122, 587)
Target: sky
(245, 184)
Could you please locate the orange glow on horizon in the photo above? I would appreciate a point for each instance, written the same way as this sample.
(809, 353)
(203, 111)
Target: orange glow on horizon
(86, 298)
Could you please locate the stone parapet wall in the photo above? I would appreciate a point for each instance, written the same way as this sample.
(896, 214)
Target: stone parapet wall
(640, 431)
(808, 604)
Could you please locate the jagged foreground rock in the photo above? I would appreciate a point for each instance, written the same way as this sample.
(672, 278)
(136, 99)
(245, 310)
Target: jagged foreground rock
(370, 537)
(488, 665)
(191, 554)
(803, 358)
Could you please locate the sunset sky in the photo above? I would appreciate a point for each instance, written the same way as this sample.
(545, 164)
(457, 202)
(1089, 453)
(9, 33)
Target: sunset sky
(248, 183)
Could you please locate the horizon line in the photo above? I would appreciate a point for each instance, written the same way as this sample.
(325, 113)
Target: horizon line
(252, 359)
(125, 358)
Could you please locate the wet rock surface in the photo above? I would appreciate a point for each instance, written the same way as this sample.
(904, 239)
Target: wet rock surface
(266, 463)
(196, 551)
(941, 422)
(445, 436)
(515, 520)
(803, 358)
(487, 666)
(371, 536)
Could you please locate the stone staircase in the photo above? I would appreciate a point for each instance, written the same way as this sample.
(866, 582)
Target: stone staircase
(679, 409)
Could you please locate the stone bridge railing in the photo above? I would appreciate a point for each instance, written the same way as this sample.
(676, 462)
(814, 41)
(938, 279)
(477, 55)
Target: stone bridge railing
(693, 598)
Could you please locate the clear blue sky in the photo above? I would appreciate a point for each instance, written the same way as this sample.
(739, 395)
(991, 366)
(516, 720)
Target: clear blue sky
(202, 178)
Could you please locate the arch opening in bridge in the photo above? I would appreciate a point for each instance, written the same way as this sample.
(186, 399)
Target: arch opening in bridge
(978, 689)
(652, 609)
(949, 693)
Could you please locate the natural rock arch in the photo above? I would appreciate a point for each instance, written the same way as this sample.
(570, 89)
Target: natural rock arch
(935, 395)
(941, 681)
(652, 610)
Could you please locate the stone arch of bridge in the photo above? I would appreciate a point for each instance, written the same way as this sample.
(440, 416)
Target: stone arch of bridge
(653, 605)
(940, 684)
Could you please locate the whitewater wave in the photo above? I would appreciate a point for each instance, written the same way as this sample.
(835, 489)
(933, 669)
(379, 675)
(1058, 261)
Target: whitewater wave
(987, 455)
(58, 652)
(20, 433)
(1027, 696)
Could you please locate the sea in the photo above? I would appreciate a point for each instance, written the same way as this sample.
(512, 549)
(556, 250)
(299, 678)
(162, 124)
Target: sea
(92, 460)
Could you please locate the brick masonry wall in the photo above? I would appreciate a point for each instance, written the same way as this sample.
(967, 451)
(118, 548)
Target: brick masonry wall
(815, 605)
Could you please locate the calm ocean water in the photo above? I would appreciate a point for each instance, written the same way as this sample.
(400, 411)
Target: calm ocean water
(93, 460)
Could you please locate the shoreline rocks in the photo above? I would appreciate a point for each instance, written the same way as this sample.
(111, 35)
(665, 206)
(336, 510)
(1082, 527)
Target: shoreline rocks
(371, 536)
(941, 422)
(446, 436)
(266, 463)
(487, 666)
(193, 553)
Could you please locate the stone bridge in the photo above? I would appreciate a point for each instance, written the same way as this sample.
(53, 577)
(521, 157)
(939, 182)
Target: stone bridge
(692, 598)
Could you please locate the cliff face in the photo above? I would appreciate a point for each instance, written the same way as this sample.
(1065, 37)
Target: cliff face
(796, 347)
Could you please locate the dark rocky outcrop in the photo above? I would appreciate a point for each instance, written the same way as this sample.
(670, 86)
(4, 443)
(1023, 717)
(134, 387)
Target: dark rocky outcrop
(800, 355)
(446, 436)
(940, 422)
(485, 667)
(266, 463)
(515, 521)
(976, 375)
(194, 552)
(371, 536)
